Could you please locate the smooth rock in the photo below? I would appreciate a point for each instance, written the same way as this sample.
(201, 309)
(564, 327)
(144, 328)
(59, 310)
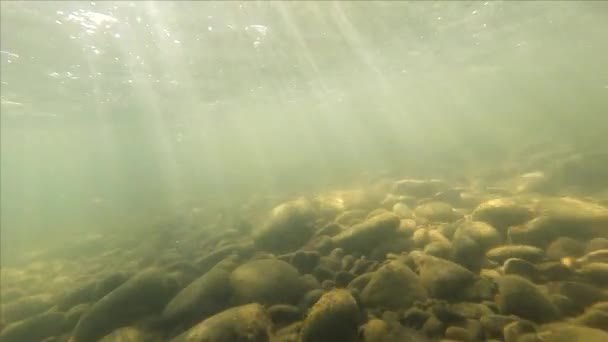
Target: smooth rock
(335, 317)
(519, 296)
(481, 232)
(528, 253)
(363, 236)
(35, 328)
(502, 213)
(442, 278)
(393, 286)
(436, 212)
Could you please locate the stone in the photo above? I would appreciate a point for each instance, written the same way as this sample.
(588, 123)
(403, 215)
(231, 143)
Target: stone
(282, 314)
(350, 217)
(439, 249)
(596, 244)
(564, 332)
(361, 281)
(209, 260)
(443, 279)
(513, 331)
(521, 268)
(414, 318)
(595, 316)
(335, 317)
(481, 232)
(468, 253)
(418, 187)
(288, 227)
(74, 314)
(34, 328)
(82, 294)
(144, 294)
(433, 327)
(24, 307)
(519, 296)
(528, 253)
(436, 212)
(502, 213)
(343, 278)
(305, 261)
(403, 211)
(393, 286)
(582, 295)
(458, 334)
(406, 228)
(248, 322)
(564, 247)
(596, 272)
(493, 324)
(267, 281)
(364, 236)
(203, 297)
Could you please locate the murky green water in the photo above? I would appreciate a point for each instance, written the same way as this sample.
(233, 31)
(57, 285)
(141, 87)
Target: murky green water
(154, 120)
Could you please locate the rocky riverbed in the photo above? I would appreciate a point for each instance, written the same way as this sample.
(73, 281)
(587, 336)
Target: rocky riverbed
(402, 260)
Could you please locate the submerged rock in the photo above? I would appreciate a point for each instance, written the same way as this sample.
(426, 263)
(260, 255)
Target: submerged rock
(481, 232)
(417, 187)
(205, 296)
(437, 212)
(335, 317)
(521, 297)
(24, 307)
(502, 213)
(363, 236)
(565, 247)
(35, 328)
(289, 226)
(242, 323)
(392, 286)
(144, 294)
(564, 332)
(595, 316)
(528, 253)
(442, 278)
(266, 281)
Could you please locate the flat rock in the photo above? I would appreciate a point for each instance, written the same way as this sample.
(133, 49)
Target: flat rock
(525, 252)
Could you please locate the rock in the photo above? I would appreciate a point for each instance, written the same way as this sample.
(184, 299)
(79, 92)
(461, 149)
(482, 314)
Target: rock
(282, 315)
(581, 294)
(433, 327)
(446, 313)
(436, 212)
(471, 310)
(375, 330)
(418, 188)
(439, 249)
(309, 299)
(561, 217)
(600, 255)
(406, 228)
(513, 331)
(420, 237)
(596, 272)
(347, 262)
(335, 317)
(73, 316)
(458, 334)
(323, 273)
(502, 213)
(521, 297)
(555, 271)
(130, 334)
(414, 318)
(35, 328)
(563, 332)
(144, 294)
(109, 283)
(361, 281)
(442, 278)
(363, 236)
(289, 227)
(528, 253)
(377, 212)
(343, 278)
(521, 268)
(595, 316)
(330, 229)
(393, 286)
(403, 211)
(468, 253)
(596, 244)
(79, 295)
(205, 296)
(24, 307)
(266, 281)
(565, 247)
(328, 284)
(493, 324)
(241, 323)
(481, 232)
(305, 261)
(350, 217)
(209, 260)
(395, 245)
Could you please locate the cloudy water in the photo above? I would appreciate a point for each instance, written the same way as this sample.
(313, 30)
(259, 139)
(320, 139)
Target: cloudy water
(149, 141)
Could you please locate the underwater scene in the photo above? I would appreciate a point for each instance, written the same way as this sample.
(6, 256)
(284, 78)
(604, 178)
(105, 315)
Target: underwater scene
(304, 171)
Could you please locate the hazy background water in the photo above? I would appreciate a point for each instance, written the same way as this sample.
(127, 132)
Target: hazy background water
(117, 113)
